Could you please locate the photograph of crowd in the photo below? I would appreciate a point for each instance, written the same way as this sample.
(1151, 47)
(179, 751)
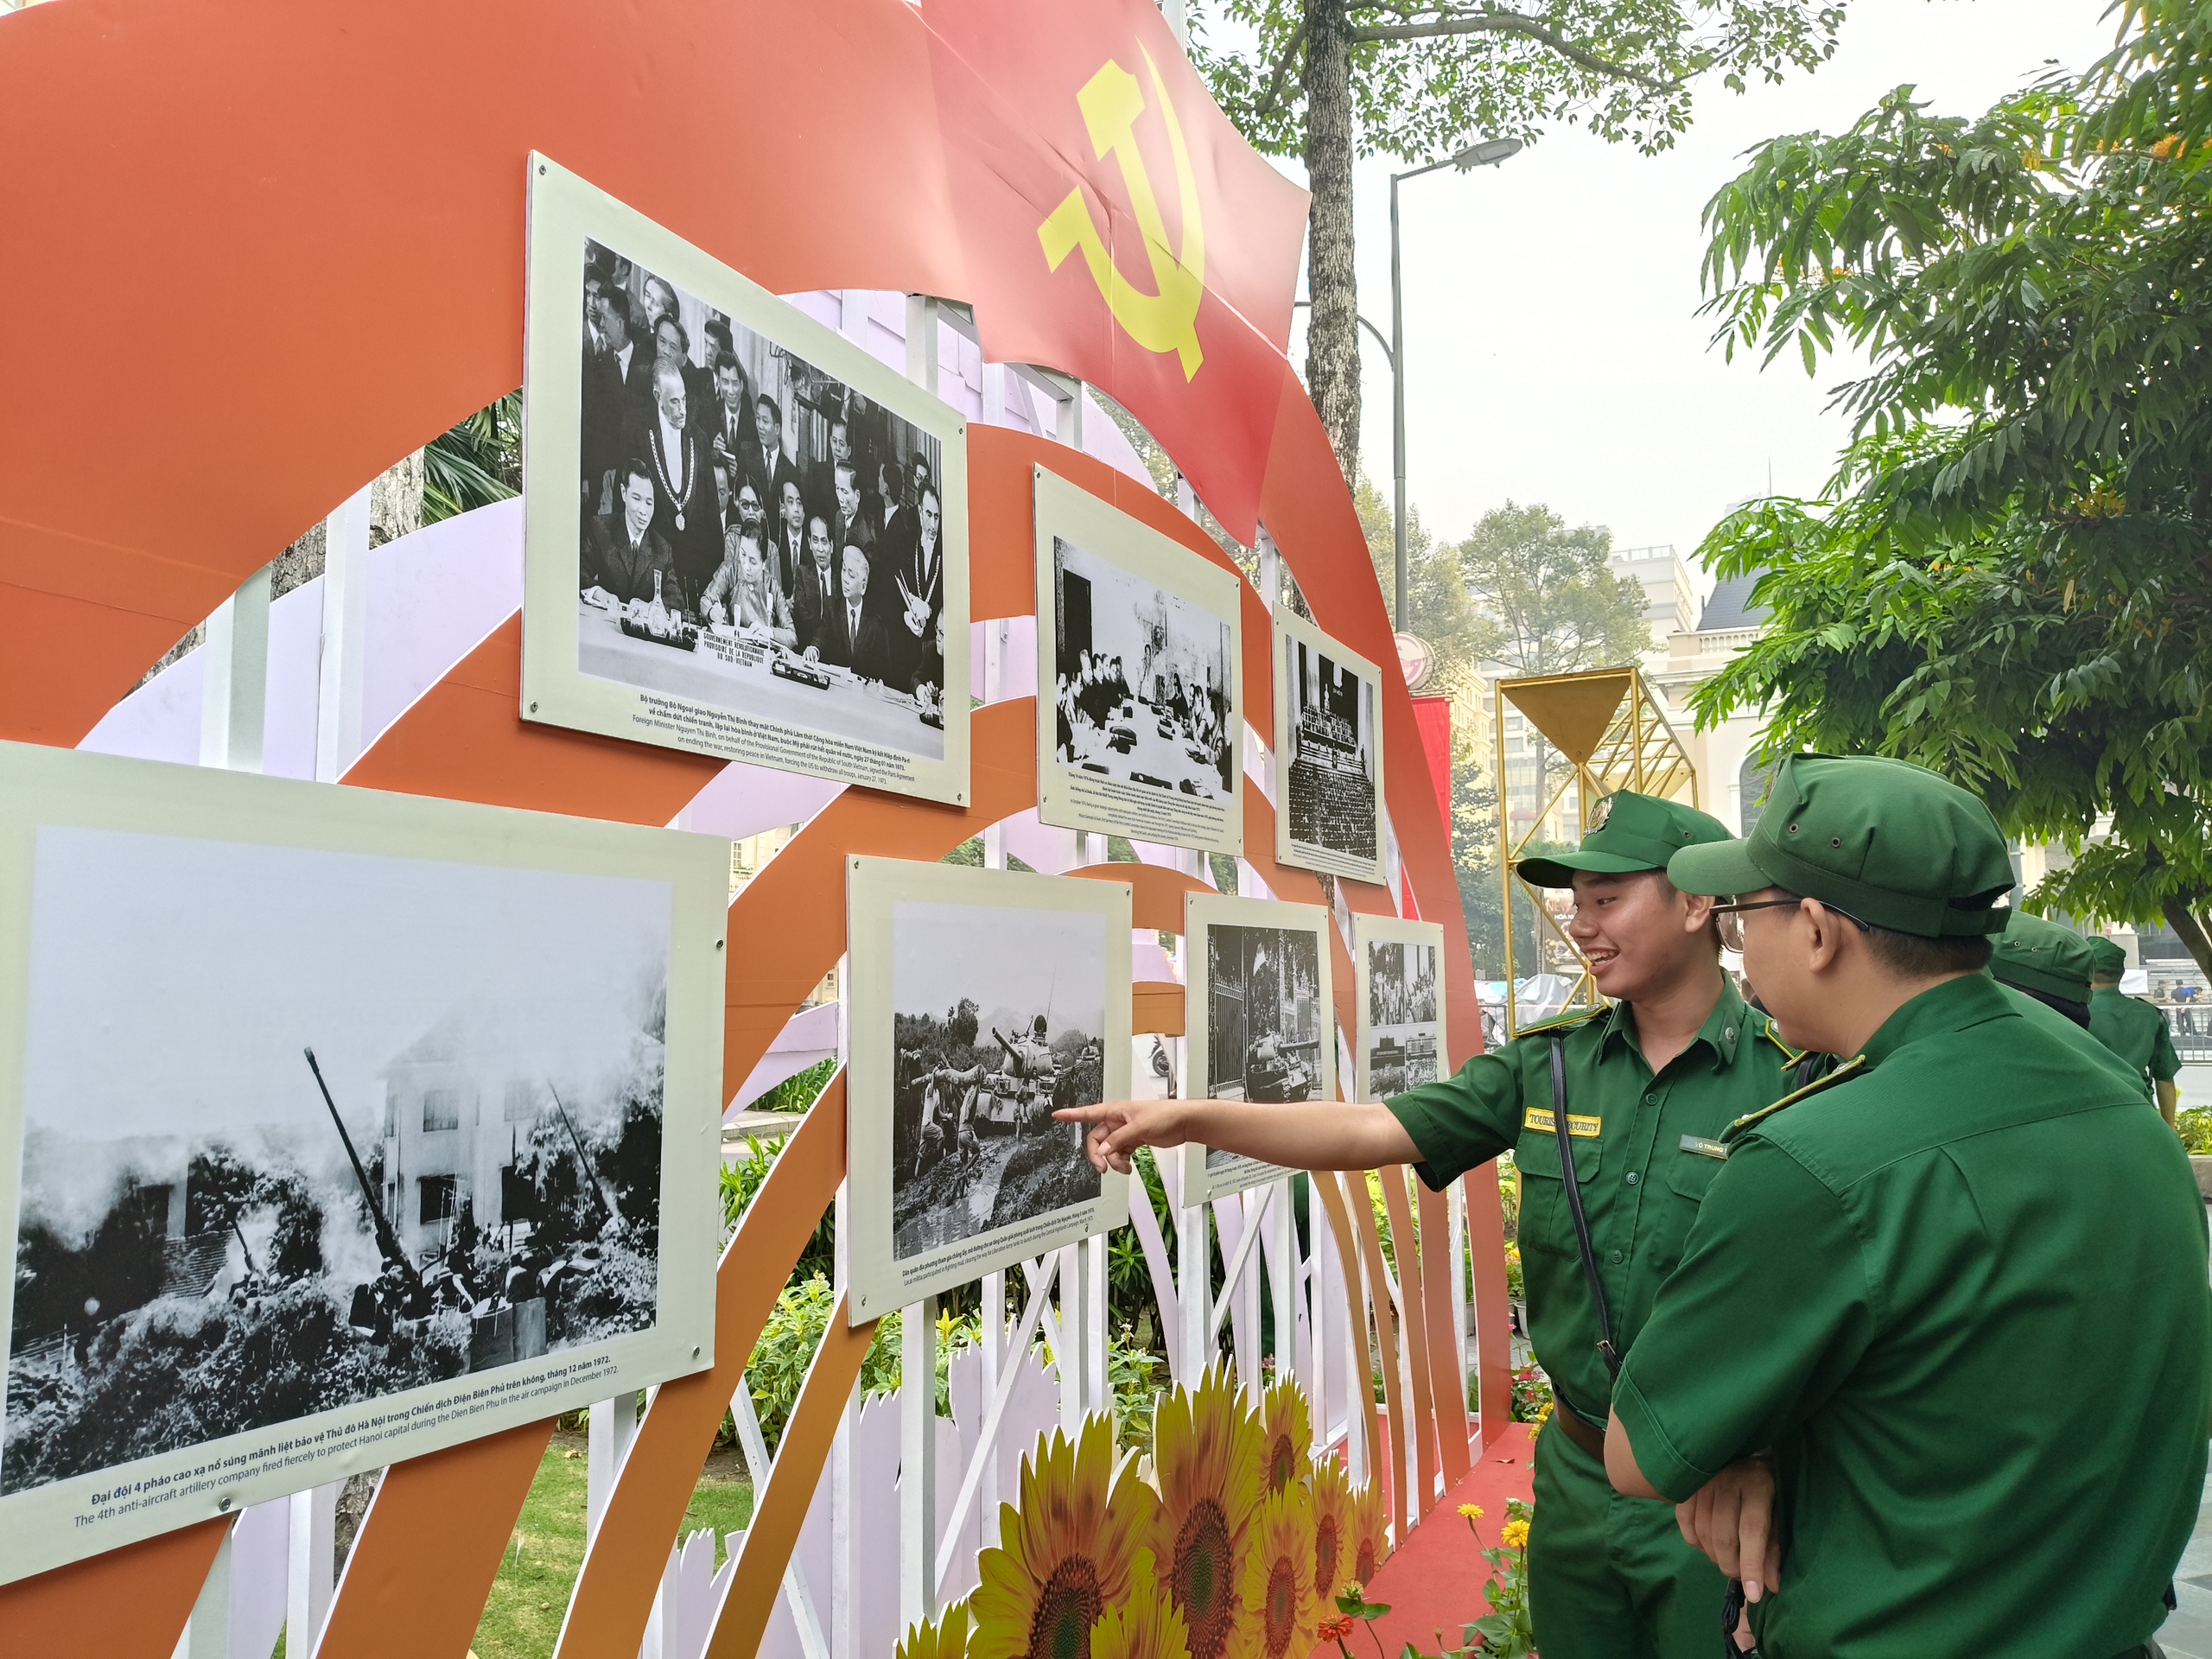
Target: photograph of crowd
(1327, 734)
(1402, 1028)
(1141, 690)
(304, 1128)
(999, 1019)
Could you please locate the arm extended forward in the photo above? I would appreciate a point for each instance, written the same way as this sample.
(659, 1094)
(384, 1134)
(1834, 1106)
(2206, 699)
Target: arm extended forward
(1302, 1134)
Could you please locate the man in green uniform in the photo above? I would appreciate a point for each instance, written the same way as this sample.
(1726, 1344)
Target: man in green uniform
(2133, 1029)
(2043, 961)
(1650, 1083)
(1891, 1384)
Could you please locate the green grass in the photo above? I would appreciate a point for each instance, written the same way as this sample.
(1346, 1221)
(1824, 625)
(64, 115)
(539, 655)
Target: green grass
(530, 1596)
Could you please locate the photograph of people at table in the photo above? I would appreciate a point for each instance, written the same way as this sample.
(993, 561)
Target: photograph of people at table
(757, 535)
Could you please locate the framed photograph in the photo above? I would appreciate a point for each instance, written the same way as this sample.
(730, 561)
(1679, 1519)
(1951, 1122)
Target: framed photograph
(980, 1003)
(1261, 1024)
(1401, 1002)
(743, 536)
(336, 1126)
(1328, 754)
(1140, 729)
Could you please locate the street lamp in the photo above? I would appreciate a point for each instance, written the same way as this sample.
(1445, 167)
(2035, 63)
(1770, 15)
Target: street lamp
(1488, 152)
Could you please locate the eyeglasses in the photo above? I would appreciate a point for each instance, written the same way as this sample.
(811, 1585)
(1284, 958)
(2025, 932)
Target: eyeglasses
(1730, 918)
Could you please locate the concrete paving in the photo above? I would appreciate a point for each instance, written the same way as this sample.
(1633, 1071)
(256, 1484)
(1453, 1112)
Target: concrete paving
(2187, 1633)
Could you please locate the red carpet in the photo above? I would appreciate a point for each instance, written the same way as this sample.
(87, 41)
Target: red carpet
(1436, 1581)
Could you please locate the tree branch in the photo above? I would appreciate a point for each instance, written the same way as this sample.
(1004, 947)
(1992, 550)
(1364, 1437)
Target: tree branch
(1266, 106)
(1512, 23)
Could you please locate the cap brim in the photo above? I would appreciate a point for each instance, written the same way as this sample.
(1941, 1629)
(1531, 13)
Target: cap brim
(1557, 869)
(1717, 868)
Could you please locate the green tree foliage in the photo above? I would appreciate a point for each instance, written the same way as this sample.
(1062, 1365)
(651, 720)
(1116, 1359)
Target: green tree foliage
(478, 462)
(1327, 80)
(1438, 608)
(2009, 578)
(1555, 604)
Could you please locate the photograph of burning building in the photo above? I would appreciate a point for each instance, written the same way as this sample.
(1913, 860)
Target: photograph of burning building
(303, 1129)
(993, 999)
(1400, 1026)
(1326, 708)
(1266, 1034)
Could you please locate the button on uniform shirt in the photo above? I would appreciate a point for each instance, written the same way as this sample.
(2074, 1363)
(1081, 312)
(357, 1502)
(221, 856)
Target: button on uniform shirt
(2136, 1032)
(1643, 1171)
(1903, 1283)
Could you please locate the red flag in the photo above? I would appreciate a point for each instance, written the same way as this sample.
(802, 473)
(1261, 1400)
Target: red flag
(1116, 226)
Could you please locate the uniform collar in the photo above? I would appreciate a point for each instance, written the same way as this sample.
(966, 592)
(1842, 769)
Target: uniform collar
(1969, 1000)
(1726, 1029)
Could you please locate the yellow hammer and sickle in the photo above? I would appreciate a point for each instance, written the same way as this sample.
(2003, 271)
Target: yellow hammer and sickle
(1167, 321)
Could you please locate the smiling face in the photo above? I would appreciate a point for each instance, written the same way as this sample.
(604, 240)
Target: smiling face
(729, 385)
(1638, 933)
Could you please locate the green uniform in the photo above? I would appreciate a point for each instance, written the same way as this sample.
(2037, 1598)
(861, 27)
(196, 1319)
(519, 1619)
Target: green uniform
(1987, 1403)
(1608, 1575)
(2137, 1032)
(2047, 968)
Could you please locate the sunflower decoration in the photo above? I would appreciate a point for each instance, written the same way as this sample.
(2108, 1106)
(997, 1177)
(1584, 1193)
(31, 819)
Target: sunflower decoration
(1370, 1539)
(1145, 1624)
(1064, 1556)
(1289, 1435)
(1332, 1531)
(1208, 1450)
(944, 1637)
(1278, 1581)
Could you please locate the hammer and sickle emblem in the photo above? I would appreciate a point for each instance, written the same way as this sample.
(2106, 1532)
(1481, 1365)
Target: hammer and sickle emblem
(1167, 321)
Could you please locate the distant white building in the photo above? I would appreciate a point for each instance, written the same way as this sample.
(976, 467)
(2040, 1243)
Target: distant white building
(1730, 786)
(1669, 587)
(446, 1145)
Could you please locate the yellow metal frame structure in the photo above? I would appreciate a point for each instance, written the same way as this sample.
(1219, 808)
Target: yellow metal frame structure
(1608, 728)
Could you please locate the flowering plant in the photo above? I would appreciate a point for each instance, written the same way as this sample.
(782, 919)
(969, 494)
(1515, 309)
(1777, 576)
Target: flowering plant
(1505, 1632)
(1532, 1395)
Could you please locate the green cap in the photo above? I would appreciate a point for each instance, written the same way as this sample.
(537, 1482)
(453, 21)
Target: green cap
(2040, 956)
(1886, 842)
(1628, 832)
(2108, 958)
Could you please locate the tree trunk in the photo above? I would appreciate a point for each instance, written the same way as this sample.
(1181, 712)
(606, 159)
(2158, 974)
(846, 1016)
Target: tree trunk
(2191, 931)
(1332, 332)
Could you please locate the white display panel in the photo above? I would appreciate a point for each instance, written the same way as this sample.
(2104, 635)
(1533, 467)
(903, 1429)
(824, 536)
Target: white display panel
(958, 1168)
(235, 1271)
(1399, 966)
(1139, 721)
(841, 650)
(1328, 754)
(1261, 1024)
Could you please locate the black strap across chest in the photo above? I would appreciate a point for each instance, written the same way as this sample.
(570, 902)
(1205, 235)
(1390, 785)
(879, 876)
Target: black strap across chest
(1606, 1351)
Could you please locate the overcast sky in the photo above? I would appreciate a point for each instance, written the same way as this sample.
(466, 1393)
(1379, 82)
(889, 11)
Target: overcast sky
(175, 982)
(1014, 962)
(1550, 304)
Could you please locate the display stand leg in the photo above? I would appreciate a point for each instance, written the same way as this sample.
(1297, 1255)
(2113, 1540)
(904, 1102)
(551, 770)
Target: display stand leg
(1281, 1264)
(1457, 1199)
(344, 639)
(313, 1566)
(918, 1463)
(207, 1633)
(234, 686)
(1075, 1322)
(614, 1424)
(1193, 1291)
(995, 1355)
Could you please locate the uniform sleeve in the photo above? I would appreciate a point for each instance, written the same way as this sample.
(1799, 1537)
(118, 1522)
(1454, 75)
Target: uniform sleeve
(2165, 1065)
(1769, 1310)
(1460, 1121)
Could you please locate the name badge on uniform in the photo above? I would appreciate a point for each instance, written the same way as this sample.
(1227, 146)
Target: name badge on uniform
(1579, 1128)
(1705, 1148)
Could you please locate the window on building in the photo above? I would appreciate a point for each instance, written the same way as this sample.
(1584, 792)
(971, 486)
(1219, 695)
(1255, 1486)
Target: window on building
(441, 1109)
(522, 1101)
(437, 1195)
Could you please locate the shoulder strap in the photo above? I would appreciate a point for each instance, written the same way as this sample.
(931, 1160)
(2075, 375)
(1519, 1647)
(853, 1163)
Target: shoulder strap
(1606, 1351)
(1851, 1068)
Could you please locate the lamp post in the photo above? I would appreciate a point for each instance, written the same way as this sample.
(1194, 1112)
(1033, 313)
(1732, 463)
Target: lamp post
(1488, 152)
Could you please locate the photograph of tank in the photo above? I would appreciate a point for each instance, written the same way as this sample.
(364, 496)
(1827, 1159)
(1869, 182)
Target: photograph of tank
(1400, 1027)
(1326, 710)
(1265, 1031)
(303, 1128)
(998, 1015)
(1137, 640)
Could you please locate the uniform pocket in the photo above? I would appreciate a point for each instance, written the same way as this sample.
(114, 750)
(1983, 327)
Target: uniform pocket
(1546, 1224)
(1690, 1172)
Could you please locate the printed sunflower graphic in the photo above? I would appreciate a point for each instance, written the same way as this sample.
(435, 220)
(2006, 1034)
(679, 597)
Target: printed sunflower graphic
(1066, 1555)
(1332, 1531)
(944, 1637)
(1289, 1434)
(1145, 1625)
(1208, 1452)
(1278, 1581)
(1370, 1541)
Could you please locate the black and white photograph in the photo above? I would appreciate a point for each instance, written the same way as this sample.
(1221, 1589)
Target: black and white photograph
(1006, 995)
(305, 1129)
(763, 543)
(1400, 1004)
(1328, 813)
(1137, 639)
(1261, 1022)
